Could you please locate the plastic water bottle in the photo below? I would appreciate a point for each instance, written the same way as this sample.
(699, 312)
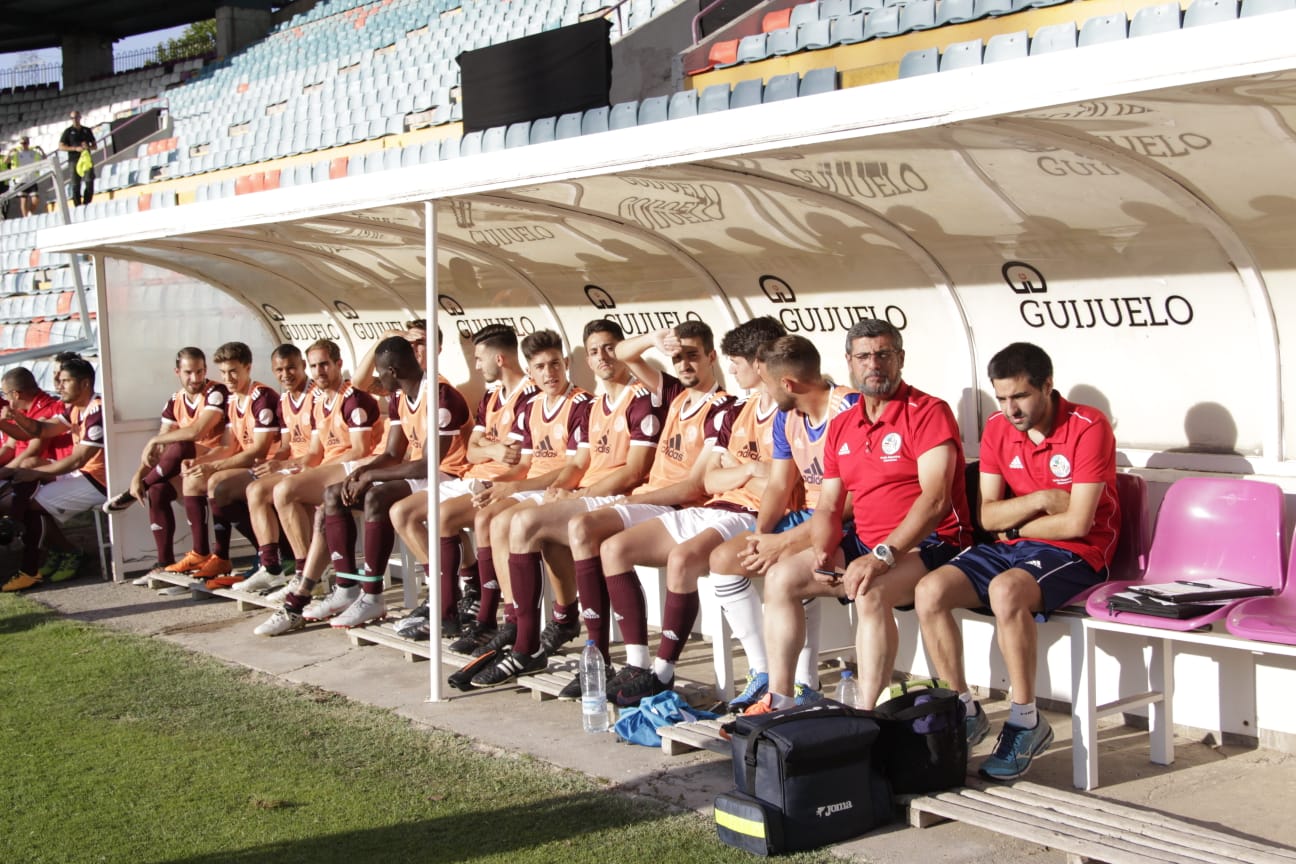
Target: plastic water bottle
(848, 690)
(594, 713)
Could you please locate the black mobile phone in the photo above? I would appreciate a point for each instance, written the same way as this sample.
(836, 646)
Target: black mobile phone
(835, 574)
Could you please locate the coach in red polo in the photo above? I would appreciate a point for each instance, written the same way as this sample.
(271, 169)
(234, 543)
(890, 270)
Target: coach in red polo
(1057, 533)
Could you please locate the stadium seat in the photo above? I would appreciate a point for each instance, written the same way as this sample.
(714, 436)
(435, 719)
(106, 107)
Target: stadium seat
(752, 48)
(595, 120)
(429, 151)
(834, 8)
(493, 139)
(450, 148)
(882, 23)
(1210, 12)
(518, 135)
(779, 43)
(654, 109)
(813, 35)
(848, 30)
(983, 8)
(747, 93)
(1054, 37)
(776, 20)
(1263, 7)
(1006, 46)
(1155, 19)
(471, 143)
(917, 15)
(803, 12)
(954, 12)
(1268, 619)
(866, 5)
(624, 115)
(683, 104)
(714, 98)
(961, 55)
(569, 126)
(722, 54)
(543, 129)
(1105, 28)
(922, 62)
(818, 81)
(781, 87)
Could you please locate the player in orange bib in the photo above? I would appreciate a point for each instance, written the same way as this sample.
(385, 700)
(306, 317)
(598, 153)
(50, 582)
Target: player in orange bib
(68, 486)
(193, 422)
(254, 433)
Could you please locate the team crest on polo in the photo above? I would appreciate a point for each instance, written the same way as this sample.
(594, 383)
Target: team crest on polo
(1060, 466)
(891, 444)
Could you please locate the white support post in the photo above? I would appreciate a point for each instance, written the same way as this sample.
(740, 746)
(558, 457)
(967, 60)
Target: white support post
(1084, 707)
(1160, 713)
(434, 503)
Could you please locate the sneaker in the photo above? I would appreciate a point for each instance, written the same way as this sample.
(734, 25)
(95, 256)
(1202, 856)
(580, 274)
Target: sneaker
(572, 692)
(1015, 750)
(150, 575)
(53, 563)
(469, 604)
(555, 635)
(503, 639)
(757, 686)
(214, 566)
(807, 695)
(763, 705)
(976, 725)
(281, 622)
(219, 582)
(261, 580)
(462, 679)
(367, 609)
(451, 628)
(415, 622)
(68, 568)
(119, 502)
(510, 667)
(477, 635)
(191, 561)
(632, 684)
(337, 602)
(21, 582)
(174, 591)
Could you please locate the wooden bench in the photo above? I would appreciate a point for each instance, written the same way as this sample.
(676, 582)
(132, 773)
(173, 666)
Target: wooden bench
(1085, 828)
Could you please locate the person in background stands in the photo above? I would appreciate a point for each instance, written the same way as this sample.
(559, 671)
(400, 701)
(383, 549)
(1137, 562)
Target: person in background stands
(75, 140)
(20, 157)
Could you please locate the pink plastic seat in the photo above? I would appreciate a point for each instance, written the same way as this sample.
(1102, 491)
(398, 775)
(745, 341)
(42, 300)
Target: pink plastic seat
(1132, 548)
(1208, 528)
(1268, 619)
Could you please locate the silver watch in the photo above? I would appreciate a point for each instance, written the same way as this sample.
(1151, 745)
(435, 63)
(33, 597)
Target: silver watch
(883, 553)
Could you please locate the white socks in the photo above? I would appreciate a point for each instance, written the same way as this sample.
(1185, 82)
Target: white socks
(807, 670)
(1024, 716)
(665, 671)
(637, 655)
(741, 604)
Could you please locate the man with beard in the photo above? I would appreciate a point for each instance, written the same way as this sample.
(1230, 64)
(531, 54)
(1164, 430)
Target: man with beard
(899, 453)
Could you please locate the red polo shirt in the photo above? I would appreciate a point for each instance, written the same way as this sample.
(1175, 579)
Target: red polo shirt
(45, 407)
(1080, 449)
(878, 462)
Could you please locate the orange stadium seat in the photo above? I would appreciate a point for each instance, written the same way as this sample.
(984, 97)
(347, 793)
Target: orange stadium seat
(271, 179)
(338, 167)
(776, 20)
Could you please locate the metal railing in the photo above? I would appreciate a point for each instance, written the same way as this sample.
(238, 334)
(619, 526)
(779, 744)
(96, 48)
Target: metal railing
(18, 77)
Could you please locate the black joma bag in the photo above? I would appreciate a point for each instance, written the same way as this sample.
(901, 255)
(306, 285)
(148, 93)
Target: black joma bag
(923, 746)
(804, 778)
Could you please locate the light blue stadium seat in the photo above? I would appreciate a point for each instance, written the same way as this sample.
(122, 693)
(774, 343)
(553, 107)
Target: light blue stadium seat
(409, 155)
(1054, 37)
(654, 108)
(818, 81)
(803, 12)
(866, 5)
(391, 158)
(429, 151)
(493, 139)
(848, 30)
(982, 8)
(471, 143)
(1104, 28)
(917, 15)
(781, 87)
(683, 104)
(595, 120)
(961, 55)
(543, 130)
(1006, 46)
(624, 115)
(518, 135)
(714, 98)
(834, 8)
(746, 93)
(781, 42)
(921, 62)
(752, 48)
(1162, 18)
(954, 11)
(881, 23)
(1263, 7)
(569, 126)
(450, 148)
(813, 35)
(1210, 12)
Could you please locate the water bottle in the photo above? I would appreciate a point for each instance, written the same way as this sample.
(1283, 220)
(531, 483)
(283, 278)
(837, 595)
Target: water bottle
(593, 677)
(848, 690)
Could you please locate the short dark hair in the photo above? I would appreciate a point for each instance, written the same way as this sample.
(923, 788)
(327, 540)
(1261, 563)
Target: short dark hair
(872, 328)
(795, 355)
(233, 352)
(541, 340)
(746, 339)
(190, 353)
(501, 337)
(696, 330)
(20, 378)
(398, 348)
(288, 351)
(334, 352)
(602, 325)
(1021, 358)
(76, 366)
(417, 324)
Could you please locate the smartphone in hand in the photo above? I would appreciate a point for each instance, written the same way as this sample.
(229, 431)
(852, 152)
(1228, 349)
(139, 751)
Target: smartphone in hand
(835, 575)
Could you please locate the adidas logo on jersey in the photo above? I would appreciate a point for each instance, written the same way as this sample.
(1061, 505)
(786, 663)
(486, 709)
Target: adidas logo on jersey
(602, 446)
(1016, 462)
(749, 451)
(845, 450)
(545, 449)
(813, 473)
(673, 448)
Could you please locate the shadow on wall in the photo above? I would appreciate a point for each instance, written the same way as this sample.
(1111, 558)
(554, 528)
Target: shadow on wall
(1210, 430)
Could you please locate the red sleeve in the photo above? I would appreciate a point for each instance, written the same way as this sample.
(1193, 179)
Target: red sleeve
(521, 430)
(935, 425)
(1095, 453)
(644, 419)
(670, 388)
(992, 444)
(92, 426)
(479, 422)
(452, 410)
(719, 422)
(579, 423)
(832, 442)
(265, 410)
(168, 410)
(393, 408)
(217, 397)
(360, 409)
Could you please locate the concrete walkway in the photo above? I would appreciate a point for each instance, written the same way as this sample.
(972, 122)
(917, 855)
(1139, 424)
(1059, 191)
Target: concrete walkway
(1242, 791)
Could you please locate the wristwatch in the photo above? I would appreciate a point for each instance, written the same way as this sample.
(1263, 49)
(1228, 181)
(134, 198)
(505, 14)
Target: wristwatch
(1012, 534)
(883, 553)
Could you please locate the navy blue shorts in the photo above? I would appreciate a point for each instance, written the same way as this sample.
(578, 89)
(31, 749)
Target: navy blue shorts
(1061, 574)
(792, 520)
(933, 551)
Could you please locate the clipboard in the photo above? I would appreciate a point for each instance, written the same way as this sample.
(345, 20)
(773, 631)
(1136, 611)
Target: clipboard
(1197, 590)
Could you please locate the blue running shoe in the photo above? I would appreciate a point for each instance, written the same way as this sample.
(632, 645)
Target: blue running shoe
(807, 695)
(1015, 749)
(757, 686)
(976, 725)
